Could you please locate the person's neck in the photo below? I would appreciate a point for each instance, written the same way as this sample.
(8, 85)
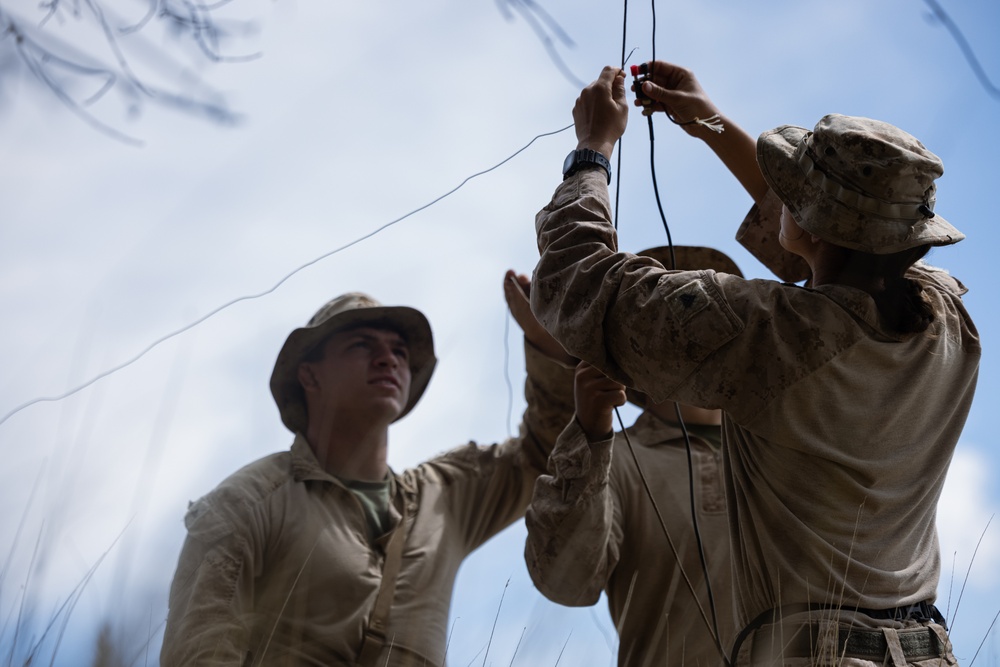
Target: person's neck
(351, 450)
(667, 412)
(832, 265)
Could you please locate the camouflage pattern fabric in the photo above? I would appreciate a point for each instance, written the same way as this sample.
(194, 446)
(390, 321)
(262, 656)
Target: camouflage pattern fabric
(838, 431)
(591, 527)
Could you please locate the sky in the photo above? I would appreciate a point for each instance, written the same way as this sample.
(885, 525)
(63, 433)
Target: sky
(353, 115)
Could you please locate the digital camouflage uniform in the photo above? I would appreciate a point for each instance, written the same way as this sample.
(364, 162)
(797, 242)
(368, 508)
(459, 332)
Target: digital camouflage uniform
(591, 527)
(838, 430)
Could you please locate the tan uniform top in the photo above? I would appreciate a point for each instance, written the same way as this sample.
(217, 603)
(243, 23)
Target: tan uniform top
(838, 431)
(592, 527)
(277, 568)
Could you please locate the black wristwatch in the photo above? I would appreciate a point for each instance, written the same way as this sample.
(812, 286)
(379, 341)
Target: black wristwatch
(585, 158)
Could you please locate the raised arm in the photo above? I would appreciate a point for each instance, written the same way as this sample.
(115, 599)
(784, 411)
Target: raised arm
(574, 521)
(675, 90)
(490, 486)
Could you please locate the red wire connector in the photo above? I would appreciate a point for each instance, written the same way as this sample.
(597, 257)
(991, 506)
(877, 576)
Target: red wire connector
(640, 74)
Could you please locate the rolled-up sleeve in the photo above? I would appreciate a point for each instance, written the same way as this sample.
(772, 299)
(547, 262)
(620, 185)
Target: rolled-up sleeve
(574, 524)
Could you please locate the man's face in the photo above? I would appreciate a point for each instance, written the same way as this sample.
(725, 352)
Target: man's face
(364, 372)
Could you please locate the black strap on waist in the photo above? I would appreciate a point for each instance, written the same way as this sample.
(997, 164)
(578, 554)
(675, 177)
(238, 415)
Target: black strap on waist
(921, 611)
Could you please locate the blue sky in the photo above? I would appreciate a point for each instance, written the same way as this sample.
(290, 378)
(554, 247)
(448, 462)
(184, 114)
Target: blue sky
(355, 114)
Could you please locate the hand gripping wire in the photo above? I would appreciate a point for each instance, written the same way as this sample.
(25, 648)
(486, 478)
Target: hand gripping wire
(715, 125)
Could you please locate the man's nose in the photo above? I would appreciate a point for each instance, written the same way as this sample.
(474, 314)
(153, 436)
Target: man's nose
(385, 357)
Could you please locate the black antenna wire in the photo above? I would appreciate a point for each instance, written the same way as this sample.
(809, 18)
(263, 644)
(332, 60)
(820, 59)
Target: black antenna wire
(680, 419)
(713, 625)
(670, 541)
(618, 182)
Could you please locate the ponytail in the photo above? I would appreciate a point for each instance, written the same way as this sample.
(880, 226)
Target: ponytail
(904, 305)
(901, 302)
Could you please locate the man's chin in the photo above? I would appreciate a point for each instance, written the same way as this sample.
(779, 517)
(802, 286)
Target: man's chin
(391, 407)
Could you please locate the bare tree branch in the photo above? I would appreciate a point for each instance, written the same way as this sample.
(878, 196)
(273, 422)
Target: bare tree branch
(963, 44)
(542, 24)
(84, 45)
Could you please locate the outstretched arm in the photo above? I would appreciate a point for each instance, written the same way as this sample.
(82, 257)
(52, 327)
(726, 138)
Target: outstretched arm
(491, 486)
(675, 90)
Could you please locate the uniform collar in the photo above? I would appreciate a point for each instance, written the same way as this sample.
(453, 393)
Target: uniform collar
(305, 467)
(859, 304)
(650, 430)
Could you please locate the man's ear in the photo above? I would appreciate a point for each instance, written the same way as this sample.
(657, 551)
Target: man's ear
(307, 377)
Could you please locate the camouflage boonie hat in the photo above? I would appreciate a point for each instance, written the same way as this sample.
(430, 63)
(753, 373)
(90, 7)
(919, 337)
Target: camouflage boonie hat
(858, 183)
(693, 258)
(688, 258)
(345, 312)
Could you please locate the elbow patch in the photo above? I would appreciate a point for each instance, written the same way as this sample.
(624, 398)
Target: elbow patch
(688, 301)
(692, 322)
(702, 318)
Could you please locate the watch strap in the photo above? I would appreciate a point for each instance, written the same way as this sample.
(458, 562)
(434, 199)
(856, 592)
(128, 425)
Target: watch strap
(586, 158)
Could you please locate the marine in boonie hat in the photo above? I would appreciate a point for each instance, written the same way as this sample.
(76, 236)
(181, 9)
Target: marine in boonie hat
(345, 312)
(685, 258)
(858, 183)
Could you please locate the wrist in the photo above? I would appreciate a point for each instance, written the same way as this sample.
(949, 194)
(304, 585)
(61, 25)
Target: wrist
(549, 347)
(586, 158)
(595, 432)
(604, 148)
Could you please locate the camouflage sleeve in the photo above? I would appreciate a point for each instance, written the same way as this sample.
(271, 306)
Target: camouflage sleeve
(759, 235)
(548, 392)
(641, 325)
(708, 339)
(490, 486)
(574, 531)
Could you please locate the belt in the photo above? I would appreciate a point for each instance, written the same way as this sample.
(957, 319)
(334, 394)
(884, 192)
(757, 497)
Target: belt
(921, 611)
(918, 643)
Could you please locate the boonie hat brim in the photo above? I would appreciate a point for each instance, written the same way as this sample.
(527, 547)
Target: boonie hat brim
(409, 322)
(779, 157)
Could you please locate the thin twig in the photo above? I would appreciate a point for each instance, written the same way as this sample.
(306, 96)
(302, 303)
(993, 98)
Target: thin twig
(958, 602)
(965, 47)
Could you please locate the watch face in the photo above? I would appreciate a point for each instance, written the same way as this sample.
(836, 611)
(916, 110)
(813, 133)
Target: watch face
(568, 162)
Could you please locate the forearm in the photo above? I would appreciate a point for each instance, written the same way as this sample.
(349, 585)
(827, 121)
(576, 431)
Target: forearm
(548, 393)
(738, 151)
(571, 547)
(675, 90)
(492, 485)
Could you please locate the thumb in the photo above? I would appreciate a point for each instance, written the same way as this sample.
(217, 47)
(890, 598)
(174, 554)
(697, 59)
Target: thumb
(660, 94)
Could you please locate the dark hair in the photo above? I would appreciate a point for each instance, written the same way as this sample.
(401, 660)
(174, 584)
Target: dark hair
(901, 300)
